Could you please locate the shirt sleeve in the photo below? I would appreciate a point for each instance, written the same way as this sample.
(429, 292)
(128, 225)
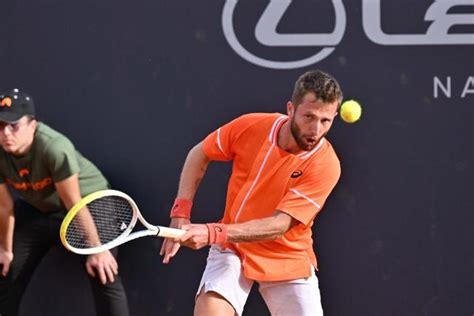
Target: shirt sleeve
(306, 198)
(61, 159)
(219, 144)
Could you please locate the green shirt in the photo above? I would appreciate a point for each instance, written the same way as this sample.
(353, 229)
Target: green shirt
(52, 158)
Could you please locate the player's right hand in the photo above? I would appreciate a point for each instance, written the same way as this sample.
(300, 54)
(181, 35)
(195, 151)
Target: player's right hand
(169, 247)
(6, 258)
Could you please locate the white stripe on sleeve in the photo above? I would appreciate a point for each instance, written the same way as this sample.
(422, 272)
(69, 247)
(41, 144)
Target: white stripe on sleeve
(306, 198)
(219, 140)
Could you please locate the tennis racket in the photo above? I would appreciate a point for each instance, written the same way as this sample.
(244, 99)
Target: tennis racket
(105, 219)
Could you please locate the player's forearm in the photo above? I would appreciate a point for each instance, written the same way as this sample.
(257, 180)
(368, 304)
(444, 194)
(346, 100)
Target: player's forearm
(7, 224)
(193, 171)
(269, 228)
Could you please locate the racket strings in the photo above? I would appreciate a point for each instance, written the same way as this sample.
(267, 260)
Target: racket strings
(100, 222)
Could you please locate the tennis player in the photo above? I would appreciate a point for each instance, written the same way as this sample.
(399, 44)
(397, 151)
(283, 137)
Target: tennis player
(284, 169)
(44, 169)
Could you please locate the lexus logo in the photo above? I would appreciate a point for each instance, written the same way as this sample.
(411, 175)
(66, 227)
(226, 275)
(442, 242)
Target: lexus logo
(266, 34)
(438, 15)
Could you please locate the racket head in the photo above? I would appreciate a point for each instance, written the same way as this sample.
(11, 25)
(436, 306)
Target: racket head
(100, 221)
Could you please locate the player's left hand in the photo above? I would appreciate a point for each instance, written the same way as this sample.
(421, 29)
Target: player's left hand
(196, 236)
(104, 265)
(170, 247)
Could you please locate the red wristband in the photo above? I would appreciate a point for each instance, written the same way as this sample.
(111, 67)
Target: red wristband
(217, 233)
(181, 208)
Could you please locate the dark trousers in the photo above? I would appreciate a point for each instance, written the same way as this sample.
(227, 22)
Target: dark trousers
(35, 233)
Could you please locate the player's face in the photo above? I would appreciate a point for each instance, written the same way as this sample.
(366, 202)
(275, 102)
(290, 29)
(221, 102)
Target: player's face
(16, 138)
(311, 120)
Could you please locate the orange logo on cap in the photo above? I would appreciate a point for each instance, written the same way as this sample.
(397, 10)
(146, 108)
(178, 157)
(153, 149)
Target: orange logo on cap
(6, 102)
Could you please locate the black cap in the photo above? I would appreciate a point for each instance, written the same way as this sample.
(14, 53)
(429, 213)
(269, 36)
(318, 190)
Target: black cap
(14, 104)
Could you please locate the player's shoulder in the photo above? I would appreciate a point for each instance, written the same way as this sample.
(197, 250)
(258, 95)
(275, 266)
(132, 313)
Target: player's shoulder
(329, 150)
(325, 156)
(45, 132)
(47, 138)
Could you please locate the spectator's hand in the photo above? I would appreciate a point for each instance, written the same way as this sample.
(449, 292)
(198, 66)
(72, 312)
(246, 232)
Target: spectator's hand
(171, 247)
(104, 265)
(196, 236)
(6, 258)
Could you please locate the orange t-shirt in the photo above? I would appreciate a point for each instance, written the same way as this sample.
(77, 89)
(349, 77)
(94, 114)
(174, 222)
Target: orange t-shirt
(266, 178)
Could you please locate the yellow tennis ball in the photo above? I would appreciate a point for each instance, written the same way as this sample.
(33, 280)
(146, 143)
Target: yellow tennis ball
(351, 111)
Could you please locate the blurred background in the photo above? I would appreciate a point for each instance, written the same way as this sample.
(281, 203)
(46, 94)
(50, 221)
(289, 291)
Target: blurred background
(135, 84)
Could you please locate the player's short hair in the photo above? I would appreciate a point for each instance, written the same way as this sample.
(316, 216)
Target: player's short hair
(323, 85)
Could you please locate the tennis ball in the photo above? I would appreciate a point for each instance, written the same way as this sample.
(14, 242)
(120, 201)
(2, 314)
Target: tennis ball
(351, 111)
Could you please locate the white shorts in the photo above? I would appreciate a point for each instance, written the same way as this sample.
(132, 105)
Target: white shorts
(223, 275)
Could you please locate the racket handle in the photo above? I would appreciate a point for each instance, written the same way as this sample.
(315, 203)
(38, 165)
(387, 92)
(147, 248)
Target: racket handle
(167, 232)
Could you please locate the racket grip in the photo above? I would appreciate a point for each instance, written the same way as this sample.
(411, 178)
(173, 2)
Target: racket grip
(167, 232)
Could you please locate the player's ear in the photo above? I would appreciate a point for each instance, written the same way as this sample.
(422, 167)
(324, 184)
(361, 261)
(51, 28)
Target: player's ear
(34, 123)
(290, 109)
